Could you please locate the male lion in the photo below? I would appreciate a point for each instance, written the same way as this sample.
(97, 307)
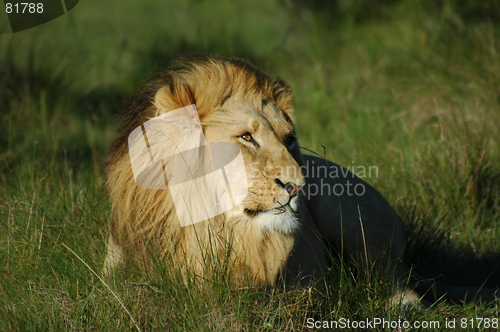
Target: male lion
(280, 221)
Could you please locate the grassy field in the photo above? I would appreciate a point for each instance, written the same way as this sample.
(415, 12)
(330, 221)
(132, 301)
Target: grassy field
(412, 87)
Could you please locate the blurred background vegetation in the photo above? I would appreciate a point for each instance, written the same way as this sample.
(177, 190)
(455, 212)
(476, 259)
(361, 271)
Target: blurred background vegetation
(412, 87)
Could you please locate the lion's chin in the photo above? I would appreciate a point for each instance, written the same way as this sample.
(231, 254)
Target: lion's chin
(284, 221)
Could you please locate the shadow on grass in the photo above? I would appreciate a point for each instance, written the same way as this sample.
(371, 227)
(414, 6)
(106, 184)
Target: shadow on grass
(434, 255)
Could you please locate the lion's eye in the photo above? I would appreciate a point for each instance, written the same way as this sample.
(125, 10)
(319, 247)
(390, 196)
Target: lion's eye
(247, 137)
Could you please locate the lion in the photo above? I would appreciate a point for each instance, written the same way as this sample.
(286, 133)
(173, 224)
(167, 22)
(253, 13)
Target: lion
(236, 103)
(284, 224)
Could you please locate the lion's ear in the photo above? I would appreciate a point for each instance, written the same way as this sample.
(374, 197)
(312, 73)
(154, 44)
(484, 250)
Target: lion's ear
(173, 96)
(162, 100)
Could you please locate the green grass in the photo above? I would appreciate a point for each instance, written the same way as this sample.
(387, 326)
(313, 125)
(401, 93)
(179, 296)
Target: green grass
(412, 87)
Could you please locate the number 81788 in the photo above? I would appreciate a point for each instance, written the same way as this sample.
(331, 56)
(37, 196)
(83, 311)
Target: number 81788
(24, 8)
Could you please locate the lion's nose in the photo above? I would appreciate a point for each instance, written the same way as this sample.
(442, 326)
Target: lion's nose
(292, 188)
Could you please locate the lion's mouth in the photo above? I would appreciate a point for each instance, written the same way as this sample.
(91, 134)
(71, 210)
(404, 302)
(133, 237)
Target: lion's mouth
(251, 212)
(276, 210)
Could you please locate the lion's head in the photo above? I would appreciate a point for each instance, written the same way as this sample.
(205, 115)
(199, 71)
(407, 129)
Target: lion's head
(236, 103)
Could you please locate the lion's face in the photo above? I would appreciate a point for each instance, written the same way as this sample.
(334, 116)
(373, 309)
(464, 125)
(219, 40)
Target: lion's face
(267, 141)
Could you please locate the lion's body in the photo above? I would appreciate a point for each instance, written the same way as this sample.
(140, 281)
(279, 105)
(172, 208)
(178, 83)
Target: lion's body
(239, 104)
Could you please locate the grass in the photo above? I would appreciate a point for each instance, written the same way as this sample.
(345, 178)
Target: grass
(412, 87)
